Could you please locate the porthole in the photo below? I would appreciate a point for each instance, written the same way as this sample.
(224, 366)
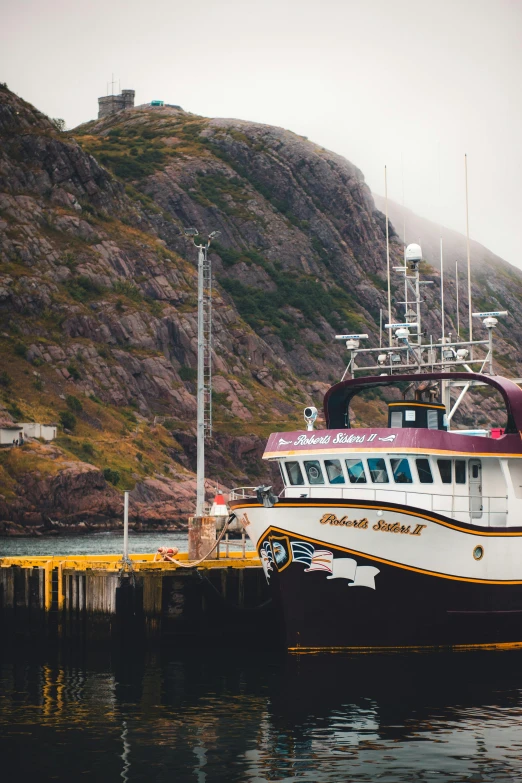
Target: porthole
(478, 553)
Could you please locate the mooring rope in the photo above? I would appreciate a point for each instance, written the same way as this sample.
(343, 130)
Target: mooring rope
(194, 563)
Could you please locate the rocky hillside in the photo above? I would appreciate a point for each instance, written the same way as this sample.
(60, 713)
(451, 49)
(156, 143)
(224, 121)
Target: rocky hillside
(98, 301)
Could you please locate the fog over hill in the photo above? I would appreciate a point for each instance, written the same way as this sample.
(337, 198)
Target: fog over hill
(428, 234)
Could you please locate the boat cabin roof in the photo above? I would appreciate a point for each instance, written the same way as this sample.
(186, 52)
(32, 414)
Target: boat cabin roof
(338, 398)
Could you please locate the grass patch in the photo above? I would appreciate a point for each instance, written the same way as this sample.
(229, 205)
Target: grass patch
(261, 308)
(82, 288)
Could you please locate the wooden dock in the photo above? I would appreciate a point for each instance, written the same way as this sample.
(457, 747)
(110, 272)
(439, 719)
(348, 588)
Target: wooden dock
(98, 597)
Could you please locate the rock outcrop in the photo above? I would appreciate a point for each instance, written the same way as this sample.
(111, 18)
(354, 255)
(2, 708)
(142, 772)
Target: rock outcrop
(98, 301)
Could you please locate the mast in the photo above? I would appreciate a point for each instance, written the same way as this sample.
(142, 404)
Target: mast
(442, 290)
(388, 253)
(469, 255)
(457, 294)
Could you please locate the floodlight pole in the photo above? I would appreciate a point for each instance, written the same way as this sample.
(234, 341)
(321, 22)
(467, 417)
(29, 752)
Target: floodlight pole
(200, 428)
(200, 470)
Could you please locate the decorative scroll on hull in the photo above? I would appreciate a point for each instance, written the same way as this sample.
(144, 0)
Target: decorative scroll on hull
(352, 575)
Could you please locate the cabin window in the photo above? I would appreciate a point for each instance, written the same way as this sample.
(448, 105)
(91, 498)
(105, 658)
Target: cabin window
(396, 419)
(293, 470)
(356, 472)
(378, 470)
(409, 415)
(475, 471)
(285, 482)
(433, 420)
(401, 471)
(424, 470)
(460, 471)
(314, 472)
(334, 471)
(445, 470)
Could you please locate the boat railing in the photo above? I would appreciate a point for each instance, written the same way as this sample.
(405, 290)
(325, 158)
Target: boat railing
(240, 493)
(476, 509)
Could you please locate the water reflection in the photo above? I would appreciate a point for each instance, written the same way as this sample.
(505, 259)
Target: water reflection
(236, 716)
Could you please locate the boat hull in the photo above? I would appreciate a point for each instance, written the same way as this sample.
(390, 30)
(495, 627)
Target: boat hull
(347, 575)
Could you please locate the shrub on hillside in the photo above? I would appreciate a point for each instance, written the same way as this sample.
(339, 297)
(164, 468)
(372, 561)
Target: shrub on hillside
(82, 288)
(112, 476)
(20, 350)
(73, 371)
(187, 373)
(67, 420)
(15, 411)
(73, 403)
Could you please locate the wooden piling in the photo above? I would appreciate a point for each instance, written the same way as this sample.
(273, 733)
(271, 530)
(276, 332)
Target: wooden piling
(95, 598)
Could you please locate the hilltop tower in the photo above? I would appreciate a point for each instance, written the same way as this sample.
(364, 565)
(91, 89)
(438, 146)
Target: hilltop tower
(110, 104)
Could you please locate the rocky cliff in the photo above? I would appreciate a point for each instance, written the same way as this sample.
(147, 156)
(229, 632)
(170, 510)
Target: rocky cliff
(98, 301)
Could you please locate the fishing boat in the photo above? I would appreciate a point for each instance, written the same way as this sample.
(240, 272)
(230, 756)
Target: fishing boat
(403, 536)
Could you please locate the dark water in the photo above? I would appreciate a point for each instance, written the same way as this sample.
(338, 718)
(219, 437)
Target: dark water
(239, 716)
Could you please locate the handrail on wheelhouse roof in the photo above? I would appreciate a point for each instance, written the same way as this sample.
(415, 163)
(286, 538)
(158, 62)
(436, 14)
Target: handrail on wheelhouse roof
(338, 398)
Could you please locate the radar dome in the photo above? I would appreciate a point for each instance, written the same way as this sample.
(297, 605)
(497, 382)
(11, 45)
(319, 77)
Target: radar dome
(413, 253)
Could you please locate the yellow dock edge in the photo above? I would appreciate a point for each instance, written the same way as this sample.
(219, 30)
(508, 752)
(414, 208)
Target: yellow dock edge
(140, 562)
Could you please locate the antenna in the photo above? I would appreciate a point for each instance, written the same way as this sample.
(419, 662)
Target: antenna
(441, 265)
(387, 251)
(404, 240)
(457, 293)
(442, 289)
(469, 257)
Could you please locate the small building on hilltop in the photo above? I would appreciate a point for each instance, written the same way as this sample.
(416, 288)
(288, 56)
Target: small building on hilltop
(33, 429)
(110, 104)
(9, 433)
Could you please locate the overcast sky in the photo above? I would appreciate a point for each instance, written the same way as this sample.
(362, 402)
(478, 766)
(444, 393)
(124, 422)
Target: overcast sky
(407, 83)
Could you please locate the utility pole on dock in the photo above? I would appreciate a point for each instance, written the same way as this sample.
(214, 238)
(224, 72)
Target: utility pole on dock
(204, 380)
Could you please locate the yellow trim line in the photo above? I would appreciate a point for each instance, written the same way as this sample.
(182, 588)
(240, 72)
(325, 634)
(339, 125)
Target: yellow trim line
(351, 504)
(418, 405)
(367, 448)
(408, 648)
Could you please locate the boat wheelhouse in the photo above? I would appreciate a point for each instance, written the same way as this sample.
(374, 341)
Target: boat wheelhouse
(423, 521)
(468, 475)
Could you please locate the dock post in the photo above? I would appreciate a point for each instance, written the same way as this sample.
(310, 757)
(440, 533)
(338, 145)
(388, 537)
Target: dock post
(126, 526)
(201, 537)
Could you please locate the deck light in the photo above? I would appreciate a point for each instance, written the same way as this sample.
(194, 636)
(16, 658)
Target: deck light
(310, 415)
